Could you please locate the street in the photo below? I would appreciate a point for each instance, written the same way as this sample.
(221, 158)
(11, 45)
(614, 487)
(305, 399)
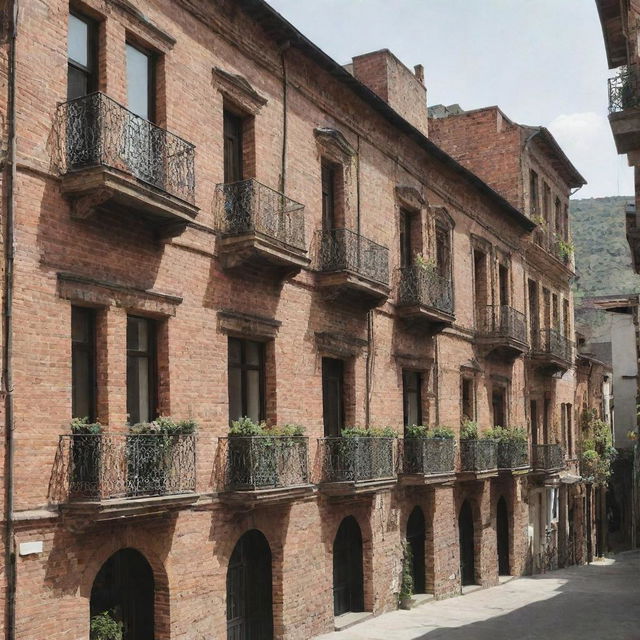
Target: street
(599, 601)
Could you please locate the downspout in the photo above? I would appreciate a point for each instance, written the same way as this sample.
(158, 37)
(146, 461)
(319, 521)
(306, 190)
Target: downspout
(7, 365)
(285, 121)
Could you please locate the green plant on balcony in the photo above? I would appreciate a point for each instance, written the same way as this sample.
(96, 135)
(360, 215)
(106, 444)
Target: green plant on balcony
(469, 430)
(86, 454)
(598, 452)
(406, 579)
(565, 248)
(427, 265)
(435, 433)
(372, 432)
(104, 627)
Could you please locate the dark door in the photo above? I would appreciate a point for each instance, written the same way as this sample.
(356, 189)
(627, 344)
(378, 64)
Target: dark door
(348, 591)
(332, 396)
(503, 275)
(124, 586)
(249, 597)
(534, 422)
(406, 250)
(141, 369)
(467, 553)
(232, 148)
(502, 526)
(498, 403)
(416, 538)
(328, 197)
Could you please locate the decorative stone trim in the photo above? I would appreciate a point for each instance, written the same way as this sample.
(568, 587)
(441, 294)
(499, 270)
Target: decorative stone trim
(471, 367)
(339, 344)
(413, 361)
(334, 144)
(243, 324)
(443, 216)
(478, 242)
(500, 379)
(238, 89)
(160, 38)
(102, 293)
(410, 197)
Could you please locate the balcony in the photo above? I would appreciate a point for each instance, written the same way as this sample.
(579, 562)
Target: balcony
(478, 459)
(502, 331)
(353, 267)
(552, 351)
(357, 465)
(547, 457)
(427, 461)
(113, 160)
(624, 110)
(260, 227)
(513, 456)
(554, 245)
(265, 469)
(112, 475)
(425, 298)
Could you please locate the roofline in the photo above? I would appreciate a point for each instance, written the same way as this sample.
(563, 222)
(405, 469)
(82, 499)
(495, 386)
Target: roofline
(464, 112)
(607, 45)
(578, 181)
(265, 12)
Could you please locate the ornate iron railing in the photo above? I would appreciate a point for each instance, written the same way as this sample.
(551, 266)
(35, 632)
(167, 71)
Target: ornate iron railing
(504, 322)
(251, 207)
(623, 91)
(345, 250)
(261, 462)
(113, 465)
(424, 287)
(428, 456)
(97, 131)
(358, 458)
(513, 455)
(547, 456)
(552, 342)
(478, 455)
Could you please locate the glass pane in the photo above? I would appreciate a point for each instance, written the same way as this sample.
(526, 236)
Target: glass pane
(138, 399)
(77, 83)
(253, 395)
(82, 387)
(235, 351)
(78, 40)
(137, 334)
(253, 353)
(138, 64)
(80, 325)
(235, 394)
(412, 408)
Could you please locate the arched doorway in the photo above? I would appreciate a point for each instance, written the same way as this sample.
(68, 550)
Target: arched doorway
(415, 538)
(249, 600)
(125, 587)
(467, 551)
(348, 590)
(502, 531)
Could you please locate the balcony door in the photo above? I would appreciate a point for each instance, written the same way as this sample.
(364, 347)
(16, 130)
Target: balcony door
(333, 396)
(141, 369)
(412, 397)
(233, 144)
(406, 248)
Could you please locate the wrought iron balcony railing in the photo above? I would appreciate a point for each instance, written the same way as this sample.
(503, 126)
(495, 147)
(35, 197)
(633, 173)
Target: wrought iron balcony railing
(513, 455)
(504, 322)
(346, 250)
(428, 456)
(423, 287)
(547, 457)
(554, 244)
(113, 465)
(623, 91)
(250, 207)
(262, 462)
(357, 459)
(552, 343)
(478, 455)
(97, 131)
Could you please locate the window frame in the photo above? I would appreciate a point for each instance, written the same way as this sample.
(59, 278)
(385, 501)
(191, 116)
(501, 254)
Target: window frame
(89, 348)
(152, 58)
(419, 381)
(151, 355)
(91, 70)
(244, 367)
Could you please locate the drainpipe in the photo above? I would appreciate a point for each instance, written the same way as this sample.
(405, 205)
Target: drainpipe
(285, 123)
(7, 372)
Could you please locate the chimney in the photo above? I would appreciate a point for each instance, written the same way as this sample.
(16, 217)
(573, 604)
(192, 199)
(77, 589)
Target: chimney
(401, 89)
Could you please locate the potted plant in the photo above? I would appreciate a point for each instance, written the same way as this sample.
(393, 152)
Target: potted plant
(406, 580)
(86, 453)
(429, 450)
(512, 446)
(103, 626)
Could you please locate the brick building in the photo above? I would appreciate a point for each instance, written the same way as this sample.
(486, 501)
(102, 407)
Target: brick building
(205, 217)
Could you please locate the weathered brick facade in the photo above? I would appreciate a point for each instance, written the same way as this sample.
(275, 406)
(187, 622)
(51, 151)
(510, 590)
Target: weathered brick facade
(113, 241)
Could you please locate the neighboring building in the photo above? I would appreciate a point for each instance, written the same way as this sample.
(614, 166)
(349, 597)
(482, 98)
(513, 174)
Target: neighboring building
(261, 232)
(526, 166)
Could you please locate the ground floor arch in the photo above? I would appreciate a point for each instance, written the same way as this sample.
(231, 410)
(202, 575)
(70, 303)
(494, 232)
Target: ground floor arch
(416, 535)
(503, 537)
(348, 579)
(466, 534)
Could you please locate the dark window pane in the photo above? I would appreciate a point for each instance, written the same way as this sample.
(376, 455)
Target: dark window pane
(332, 396)
(412, 388)
(233, 144)
(246, 379)
(141, 382)
(77, 83)
(83, 363)
(235, 393)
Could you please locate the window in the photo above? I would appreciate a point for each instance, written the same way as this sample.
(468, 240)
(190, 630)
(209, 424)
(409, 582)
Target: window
(570, 451)
(83, 363)
(412, 397)
(328, 196)
(546, 203)
(443, 250)
(534, 313)
(499, 406)
(468, 399)
(566, 318)
(246, 380)
(81, 57)
(558, 218)
(503, 283)
(533, 193)
(233, 147)
(406, 249)
(480, 285)
(140, 82)
(534, 421)
(546, 417)
(141, 369)
(332, 396)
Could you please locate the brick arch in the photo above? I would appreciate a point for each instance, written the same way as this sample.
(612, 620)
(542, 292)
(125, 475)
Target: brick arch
(161, 607)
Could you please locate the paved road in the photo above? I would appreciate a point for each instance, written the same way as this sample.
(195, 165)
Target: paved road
(596, 602)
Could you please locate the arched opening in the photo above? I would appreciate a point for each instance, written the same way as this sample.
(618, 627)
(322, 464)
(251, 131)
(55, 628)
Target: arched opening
(348, 590)
(467, 551)
(502, 527)
(416, 538)
(124, 586)
(249, 598)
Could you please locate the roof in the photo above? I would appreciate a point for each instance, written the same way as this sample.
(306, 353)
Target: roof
(612, 30)
(281, 29)
(562, 164)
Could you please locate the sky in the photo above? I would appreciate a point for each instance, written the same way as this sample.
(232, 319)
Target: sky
(542, 61)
